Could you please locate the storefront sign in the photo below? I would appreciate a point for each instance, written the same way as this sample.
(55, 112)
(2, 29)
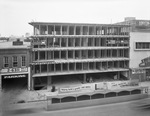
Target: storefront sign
(10, 70)
(4, 70)
(14, 76)
(99, 86)
(138, 71)
(70, 89)
(118, 84)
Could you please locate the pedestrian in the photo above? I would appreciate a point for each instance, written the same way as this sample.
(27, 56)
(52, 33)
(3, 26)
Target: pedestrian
(53, 89)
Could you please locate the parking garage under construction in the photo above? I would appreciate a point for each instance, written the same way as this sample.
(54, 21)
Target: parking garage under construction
(78, 53)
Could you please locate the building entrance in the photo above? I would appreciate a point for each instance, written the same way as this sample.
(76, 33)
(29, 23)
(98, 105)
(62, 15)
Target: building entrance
(12, 82)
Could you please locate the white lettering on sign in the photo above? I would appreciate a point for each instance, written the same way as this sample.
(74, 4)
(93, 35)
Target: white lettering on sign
(137, 71)
(121, 84)
(75, 89)
(25, 69)
(4, 70)
(14, 76)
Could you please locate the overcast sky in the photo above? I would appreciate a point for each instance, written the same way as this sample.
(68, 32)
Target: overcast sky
(16, 14)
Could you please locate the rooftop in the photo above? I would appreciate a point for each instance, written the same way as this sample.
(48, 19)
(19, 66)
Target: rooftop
(137, 25)
(61, 23)
(9, 45)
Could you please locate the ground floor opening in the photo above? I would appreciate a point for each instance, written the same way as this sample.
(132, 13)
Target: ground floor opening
(14, 86)
(46, 82)
(9, 83)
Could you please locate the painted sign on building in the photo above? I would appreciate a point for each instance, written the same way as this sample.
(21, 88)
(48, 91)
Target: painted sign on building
(138, 71)
(13, 70)
(15, 76)
(84, 87)
(122, 84)
(99, 86)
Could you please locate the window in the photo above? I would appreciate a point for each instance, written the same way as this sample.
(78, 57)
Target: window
(15, 61)
(5, 60)
(23, 61)
(142, 45)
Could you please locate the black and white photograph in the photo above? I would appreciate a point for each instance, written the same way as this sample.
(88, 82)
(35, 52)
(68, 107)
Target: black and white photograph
(74, 58)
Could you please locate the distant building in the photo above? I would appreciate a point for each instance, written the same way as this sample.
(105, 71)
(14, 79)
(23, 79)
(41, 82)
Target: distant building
(27, 35)
(14, 63)
(65, 50)
(139, 47)
(3, 39)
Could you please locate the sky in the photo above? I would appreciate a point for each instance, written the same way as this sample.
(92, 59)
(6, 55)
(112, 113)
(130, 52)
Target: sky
(16, 14)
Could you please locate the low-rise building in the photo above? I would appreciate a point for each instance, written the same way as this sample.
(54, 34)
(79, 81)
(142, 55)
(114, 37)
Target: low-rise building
(14, 64)
(139, 47)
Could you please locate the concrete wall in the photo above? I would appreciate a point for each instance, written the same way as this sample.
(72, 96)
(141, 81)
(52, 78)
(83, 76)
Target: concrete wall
(102, 101)
(137, 55)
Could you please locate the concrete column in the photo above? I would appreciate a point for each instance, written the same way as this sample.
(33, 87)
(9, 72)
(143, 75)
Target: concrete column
(40, 30)
(35, 33)
(49, 82)
(84, 78)
(38, 55)
(118, 75)
(67, 30)
(74, 30)
(32, 81)
(61, 30)
(40, 68)
(46, 55)
(54, 30)
(29, 79)
(47, 30)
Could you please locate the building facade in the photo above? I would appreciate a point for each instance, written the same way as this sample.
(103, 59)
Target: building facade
(139, 48)
(80, 50)
(14, 63)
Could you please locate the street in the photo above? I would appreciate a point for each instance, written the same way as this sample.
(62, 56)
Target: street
(134, 108)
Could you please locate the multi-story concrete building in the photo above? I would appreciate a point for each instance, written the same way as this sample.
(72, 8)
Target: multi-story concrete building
(139, 47)
(14, 64)
(78, 51)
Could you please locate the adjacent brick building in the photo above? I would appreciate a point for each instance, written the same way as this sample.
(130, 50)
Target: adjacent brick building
(14, 63)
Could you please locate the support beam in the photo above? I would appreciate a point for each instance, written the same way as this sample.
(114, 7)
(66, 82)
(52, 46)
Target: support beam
(32, 83)
(0, 82)
(84, 78)
(49, 82)
(29, 79)
(119, 75)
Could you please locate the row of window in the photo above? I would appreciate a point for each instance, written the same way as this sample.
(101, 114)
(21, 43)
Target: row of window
(79, 30)
(14, 61)
(80, 54)
(142, 45)
(80, 66)
(79, 42)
